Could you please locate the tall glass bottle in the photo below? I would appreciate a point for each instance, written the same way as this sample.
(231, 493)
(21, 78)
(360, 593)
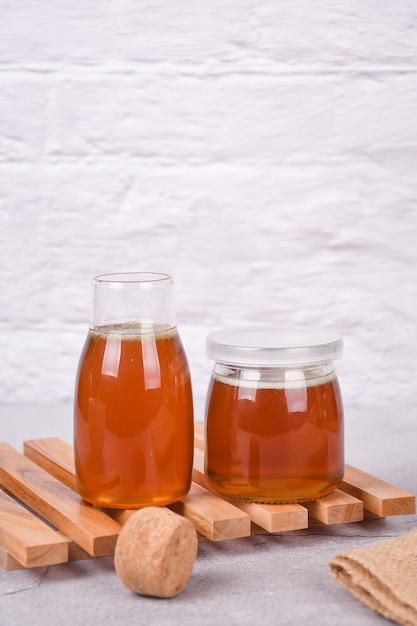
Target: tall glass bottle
(133, 410)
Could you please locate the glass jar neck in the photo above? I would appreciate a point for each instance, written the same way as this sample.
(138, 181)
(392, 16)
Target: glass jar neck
(285, 376)
(132, 300)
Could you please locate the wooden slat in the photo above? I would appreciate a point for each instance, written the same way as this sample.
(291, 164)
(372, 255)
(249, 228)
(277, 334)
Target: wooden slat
(212, 517)
(271, 517)
(90, 528)
(336, 508)
(55, 456)
(378, 497)
(8, 562)
(276, 517)
(75, 553)
(27, 538)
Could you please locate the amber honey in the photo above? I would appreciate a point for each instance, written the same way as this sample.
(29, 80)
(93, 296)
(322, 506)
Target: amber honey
(133, 418)
(274, 436)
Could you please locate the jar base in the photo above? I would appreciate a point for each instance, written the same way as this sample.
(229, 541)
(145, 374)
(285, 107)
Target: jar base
(132, 503)
(287, 493)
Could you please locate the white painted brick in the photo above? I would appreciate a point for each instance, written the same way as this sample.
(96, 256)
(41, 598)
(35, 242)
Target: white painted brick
(249, 118)
(23, 105)
(190, 117)
(126, 30)
(336, 33)
(214, 33)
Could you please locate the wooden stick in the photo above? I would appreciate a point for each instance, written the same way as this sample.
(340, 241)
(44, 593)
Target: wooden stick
(55, 456)
(336, 508)
(271, 517)
(276, 517)
(212, 517)
(8, 562)
(379, 497)
(27, 538)
(90, 528)
(75, 553)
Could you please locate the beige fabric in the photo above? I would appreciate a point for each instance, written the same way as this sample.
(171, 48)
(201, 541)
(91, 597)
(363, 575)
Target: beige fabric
(383, 576)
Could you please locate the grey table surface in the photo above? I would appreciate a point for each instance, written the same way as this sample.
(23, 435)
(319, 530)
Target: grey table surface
(264, 579)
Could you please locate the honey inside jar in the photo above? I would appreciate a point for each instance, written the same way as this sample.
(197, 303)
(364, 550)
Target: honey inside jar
(133, 418)
(273, 434)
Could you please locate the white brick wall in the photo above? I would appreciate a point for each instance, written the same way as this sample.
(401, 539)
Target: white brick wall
(262, 152)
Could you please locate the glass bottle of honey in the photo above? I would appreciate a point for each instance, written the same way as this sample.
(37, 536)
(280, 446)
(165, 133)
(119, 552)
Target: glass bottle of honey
(133, 409)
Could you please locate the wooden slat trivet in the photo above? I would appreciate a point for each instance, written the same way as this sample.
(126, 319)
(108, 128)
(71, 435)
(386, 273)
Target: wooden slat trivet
(90, 528)
(46, 483)
(344, 505)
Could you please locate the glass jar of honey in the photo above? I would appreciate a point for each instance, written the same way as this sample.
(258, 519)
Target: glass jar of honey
(274, 414)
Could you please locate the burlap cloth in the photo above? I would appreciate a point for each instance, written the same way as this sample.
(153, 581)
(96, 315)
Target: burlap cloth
(383, 576)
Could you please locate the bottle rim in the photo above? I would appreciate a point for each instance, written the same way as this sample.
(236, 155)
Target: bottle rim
(144, 279)
(273, 346)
